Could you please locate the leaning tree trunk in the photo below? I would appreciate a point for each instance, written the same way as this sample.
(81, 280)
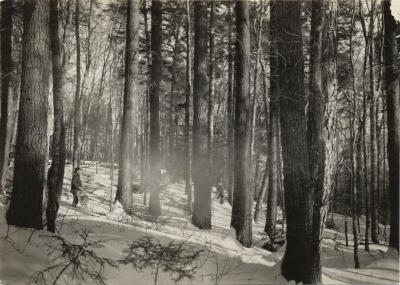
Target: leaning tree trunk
(30, 155)
(155, 74)
(298, 193)
(201, 217)
(7, 102)
(393, 120)
(124, 189)
(242, 195)
(56, 172)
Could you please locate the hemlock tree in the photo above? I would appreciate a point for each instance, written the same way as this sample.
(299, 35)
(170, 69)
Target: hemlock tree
(56, 172)
(201, 217)
(155, 80)
(392, 83)
(124, 189)
(7, 102)
(30, 156)
(242, 196)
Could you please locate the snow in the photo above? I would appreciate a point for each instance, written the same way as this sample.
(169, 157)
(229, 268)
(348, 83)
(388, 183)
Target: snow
(24, 252)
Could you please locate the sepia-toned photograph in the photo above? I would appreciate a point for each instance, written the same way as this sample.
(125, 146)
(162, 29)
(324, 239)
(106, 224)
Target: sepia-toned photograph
(199, 142)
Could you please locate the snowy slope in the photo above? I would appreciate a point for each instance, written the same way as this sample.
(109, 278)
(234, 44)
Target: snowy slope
(24, 252)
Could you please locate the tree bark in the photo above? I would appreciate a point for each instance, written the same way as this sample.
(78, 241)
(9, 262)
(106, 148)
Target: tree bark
(7, 102)
(30, 157)
(124, 189)
(188, 95)
(155, 73)
(298, 193)
(56, 172)
(211, 92)
(393, 119)
(201, 217)
(242, 195)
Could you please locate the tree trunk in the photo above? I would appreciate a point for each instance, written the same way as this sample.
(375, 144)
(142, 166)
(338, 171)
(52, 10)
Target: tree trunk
(298, 193)
(56, 172)
(201, 217)
(188, 95)
(7, 102)
(211, 92)
(30, 158)
(393, 120)
(77, 100)
(230, 109)
(155, 73)
(124, 189)
(242, 195)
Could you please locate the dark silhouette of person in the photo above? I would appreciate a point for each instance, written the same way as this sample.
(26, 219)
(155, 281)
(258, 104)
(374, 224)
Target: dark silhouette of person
(76, 186)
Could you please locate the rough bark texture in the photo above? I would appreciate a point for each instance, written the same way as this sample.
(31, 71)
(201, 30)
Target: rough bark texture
(298, 193)
(230, 114)
(124, 189)
(77, 100)
(393, 120)
(200, 166)
(319, 122)
(7, 102)
(242, 195)
(55, 175)
(188, 95)
(155, 73)
(30, 157)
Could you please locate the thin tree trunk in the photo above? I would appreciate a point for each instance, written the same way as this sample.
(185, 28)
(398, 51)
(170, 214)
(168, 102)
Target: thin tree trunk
(242, 194)
(156, 39)
(30, 157)
(77, 100)
(211, 92)
(188, 95)
(7, 102)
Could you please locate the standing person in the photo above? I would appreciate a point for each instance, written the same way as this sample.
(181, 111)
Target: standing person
(76, 185)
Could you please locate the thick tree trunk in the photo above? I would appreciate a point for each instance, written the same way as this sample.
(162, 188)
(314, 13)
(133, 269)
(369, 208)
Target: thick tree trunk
(7, 102)
(298, 193)
(242, 194)
(77, 100)
(393, 120)
(124, 189)
(188, 95)
(201, 217)
(30, 157)
(56, 172)
(155, 73)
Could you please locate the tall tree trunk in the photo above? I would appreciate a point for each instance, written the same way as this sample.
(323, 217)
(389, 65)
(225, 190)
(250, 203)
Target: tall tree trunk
(393, 120)
(7, 102)
(298, 193)
(124, 189)
(230, 109)
(156, 38)
(30, 155)
(322, 88)
(373, 182)
(188, 95)
(77, 100)
(211, 91)
(242, 195)
(56, 172)
(201, 217)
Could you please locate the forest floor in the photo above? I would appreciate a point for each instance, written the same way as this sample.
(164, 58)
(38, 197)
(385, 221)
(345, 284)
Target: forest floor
(215, 255)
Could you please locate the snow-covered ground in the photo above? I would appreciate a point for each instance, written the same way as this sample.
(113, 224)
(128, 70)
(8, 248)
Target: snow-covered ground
(25, 252)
